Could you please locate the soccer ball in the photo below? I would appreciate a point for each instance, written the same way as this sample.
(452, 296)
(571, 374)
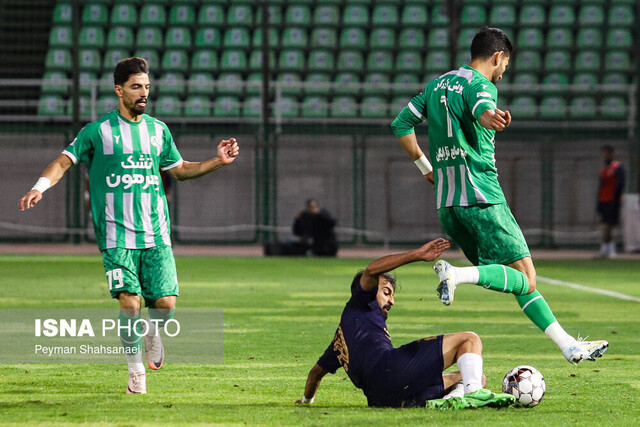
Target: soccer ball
(526, 384)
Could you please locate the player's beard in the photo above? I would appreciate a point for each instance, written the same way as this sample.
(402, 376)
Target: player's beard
(136, 109)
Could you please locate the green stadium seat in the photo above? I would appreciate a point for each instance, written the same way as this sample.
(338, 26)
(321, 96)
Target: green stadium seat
(523, 107)
(587, 80)
(153, 15)
(124, 15)
(252, 107)
(254, 82)
(382, 38)
(587, 60)
(439, 17)
(530, 39)
(526, 79)
(614, 107)
(167, 106)
(255, 60)
(112, 57)
(353, 38)
(197, 106)
(553, 107)
(286, 107)
(355, 15)
(615, 79)
(381, 61)
(561, 15)
(172, 84)
(91, 37)
(398, 103)
(149, 37)
(473, 16)
(621, 16)
(414, 15)
(465, 37)
(182, 15)
(532, 15)
(320, 60)
(95, 14)
(175, 60)
(582, 107)
(105, 104)
(410, 85)
(527, 60)
(557, 60)
(589, 38)
(200, 83)
(291, 60)
(326, 16)
(463, 58)
(106, 85)
(344, 107)
(90, 60)
(560, 38)
(408, 61)
(51, 105)
(180, 38)
(208, 38)
(211, 15)
(556, 83)
(295, 37)
(384, 15)
(590, 15)
(120, 37)
(619, 38)
(347, 83)
(377, 83)
(502, 16)
(237, 38)
(290, 83)
(60, 37)
(151, 56)
(55, 83)
(437, 61)
(204, 60)
(412, 38)
(374, 107)
(230, 84)
(298, 15)
(85, 108)
(438, 38)
(275, 15)
(274, 38)
(618, 61)
(316, 107)
(233, 60)
(62, 14)
(350, 61)
(324, 38)
(317, 84)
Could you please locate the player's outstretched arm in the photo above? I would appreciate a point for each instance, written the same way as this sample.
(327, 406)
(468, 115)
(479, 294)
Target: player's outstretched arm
(313, 382)
(50, 177)
(227, 151)
(497, 119)
(428, 252)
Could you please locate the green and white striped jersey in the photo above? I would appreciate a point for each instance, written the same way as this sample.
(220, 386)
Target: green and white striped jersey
(124, 158)
(462, 150)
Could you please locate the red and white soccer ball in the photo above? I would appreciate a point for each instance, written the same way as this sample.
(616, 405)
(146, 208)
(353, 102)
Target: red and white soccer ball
(526, 384)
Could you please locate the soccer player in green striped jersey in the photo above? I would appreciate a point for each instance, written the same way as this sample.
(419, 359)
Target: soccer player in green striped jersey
(125, 150)
(463, 118)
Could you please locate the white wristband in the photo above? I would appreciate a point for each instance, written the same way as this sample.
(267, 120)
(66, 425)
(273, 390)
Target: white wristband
(42, 184)
(305, 400)
(423, 164)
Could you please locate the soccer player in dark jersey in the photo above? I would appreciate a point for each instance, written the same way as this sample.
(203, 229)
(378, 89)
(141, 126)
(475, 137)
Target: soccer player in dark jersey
(409, 375)
(612, 181)
(461, 107)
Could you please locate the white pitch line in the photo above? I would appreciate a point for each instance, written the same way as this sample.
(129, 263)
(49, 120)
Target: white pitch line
(588, 289)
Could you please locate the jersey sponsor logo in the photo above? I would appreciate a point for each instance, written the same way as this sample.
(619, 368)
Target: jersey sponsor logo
(128, 180)
(446, 153)
(142, 163)
(155, 141)
(116, 139)
(444, 84)
(340, 347)
(483, 95)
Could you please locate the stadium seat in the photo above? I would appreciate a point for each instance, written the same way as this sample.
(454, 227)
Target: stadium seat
(51, 105)
(590, 15)
(473, 15)
(438, 38)
(60, 37)
(298, 15)
(105, 84)
(175, 60)
(112, 57)
(197, 106)
(377, 83)
(237, 38)
(95, 14)
(344, 107)
(532, 15)
(619, 38)
(410, 82)
(255, 60)
(230, 84)
(439, 17)
(233, 60)
(503, 16)
(613, 107)
(275, 15)
(324, 38)
(589, 38)
(561, 15)
(527, 60)
(182, 15)
(252, 107)
(523, 107)
(384, 15)
(381, 61)
(124, 15)
(295, 38)
(553, 107)
(587, 60)
(465, 37)
(90, 60)
(62, 14)
(200, 83)
(151, 56)
(355, 15)
(617, 61)
(557, 60)
(290, 83)
(149, 37)
(587, 80)
(347, 83)
(615, 79)
(408, 61)
(463, 58)
(317, 84)
(204, 60)
(286, 107)
(91, 37)
(373, 107)
(437, 61)
(560, 38)
(412, 38)
(353, 38)
(55, 83)
(273, 34)
(526, 79)
(120, 37)
(211, 15)
(530, 39)
(291, 60)
(320, 61)
(555, 83)
(583, 107)
(153, 15)
(315, 107)
(621, 16)
(382, 38)
(208, 38)
(180, 38)
(398, 103)
(167, 106)
(171, 84)
(326, 16)
(414, 15)
(105, 104)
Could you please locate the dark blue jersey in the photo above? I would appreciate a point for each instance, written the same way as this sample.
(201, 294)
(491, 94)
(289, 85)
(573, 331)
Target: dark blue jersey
(361, 338)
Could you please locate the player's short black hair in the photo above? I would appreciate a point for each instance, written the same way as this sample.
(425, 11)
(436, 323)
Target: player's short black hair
(608, 148)
(390, 278)
(489, 40)
(127, 67)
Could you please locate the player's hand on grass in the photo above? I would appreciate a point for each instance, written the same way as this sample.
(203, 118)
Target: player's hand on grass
(434, 249)
(496, 119)
(228, 150)
(29, 200)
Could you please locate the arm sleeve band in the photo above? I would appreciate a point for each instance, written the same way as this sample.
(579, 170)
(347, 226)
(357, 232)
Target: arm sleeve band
(405, 122)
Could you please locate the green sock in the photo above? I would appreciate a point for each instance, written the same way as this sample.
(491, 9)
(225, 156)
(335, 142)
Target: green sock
(503, 279)
(131, 339)
(159, 316)
(536, 309)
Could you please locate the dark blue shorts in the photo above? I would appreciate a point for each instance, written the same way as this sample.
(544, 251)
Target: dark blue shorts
(407, 376)
(609, 212)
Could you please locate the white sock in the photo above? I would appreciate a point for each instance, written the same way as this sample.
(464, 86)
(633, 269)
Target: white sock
(456, 391)
(604, 249)
(612, 248)
(559, 335)
(470, 366)
(467, 275)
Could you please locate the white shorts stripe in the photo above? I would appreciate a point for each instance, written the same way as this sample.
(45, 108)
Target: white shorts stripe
(128, 221)
(107, 137)
(527, 304)
(488, 101)
(145, 146)
(159, 135)
(110, 222)
(147, 226)
(463, 186)
(162, 222)
(505, 278)
(451, 183)
(125, 132)
(439, 191)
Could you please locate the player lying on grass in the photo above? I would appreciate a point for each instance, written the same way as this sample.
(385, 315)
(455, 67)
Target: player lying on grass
(463, 119)
(409, 375)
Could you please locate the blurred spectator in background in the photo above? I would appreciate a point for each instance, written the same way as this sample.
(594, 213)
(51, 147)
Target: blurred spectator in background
(612, 177)
(315, 227)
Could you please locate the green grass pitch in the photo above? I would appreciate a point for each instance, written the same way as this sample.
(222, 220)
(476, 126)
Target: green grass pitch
(280, 314)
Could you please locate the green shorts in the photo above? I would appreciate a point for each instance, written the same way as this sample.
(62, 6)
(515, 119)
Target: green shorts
(487, 234)
(150, 273)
